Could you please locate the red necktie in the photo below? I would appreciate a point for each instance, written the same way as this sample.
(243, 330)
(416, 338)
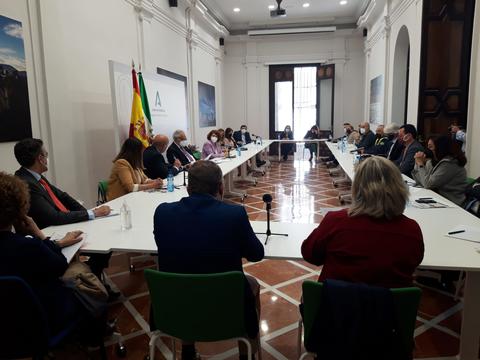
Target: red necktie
(55, 200)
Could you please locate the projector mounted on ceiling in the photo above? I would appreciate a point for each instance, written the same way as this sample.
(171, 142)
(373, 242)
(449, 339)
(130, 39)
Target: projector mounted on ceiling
(278, 12)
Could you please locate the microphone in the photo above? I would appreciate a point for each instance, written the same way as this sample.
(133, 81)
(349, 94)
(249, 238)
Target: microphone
(356, 150)
(267, 198)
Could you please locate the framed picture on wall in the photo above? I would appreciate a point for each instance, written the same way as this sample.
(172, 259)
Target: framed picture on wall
(376, 100)
(206, 105)
(15, 122)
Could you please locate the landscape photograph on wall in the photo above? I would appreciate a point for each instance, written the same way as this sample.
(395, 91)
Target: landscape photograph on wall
(15, 123)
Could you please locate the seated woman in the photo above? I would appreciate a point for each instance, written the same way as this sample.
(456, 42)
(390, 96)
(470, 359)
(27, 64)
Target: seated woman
(287, 148)
(445, 173)
(127, 172)
(34, 258)
(229, 141)
(371, 242)
(212, 149)
(221, 137)
(313, 133)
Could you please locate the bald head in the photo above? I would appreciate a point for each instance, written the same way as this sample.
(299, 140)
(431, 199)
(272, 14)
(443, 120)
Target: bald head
(160, 142)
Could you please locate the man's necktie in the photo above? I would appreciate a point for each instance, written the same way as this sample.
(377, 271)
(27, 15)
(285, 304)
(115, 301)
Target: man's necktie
(54, 198)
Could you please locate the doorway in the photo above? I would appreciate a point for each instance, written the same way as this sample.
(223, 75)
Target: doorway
(401, 71)
(301, 96)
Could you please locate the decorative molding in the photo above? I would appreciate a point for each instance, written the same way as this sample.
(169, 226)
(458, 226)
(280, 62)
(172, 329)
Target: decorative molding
(398, 11)
(382, 32)
(363, 20)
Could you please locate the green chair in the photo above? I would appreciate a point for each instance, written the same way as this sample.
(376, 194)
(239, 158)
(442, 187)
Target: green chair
(406, 301)
(198, 307)
(102, 192)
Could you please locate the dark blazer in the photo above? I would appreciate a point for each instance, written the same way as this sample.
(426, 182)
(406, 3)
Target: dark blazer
(155, 164)
(237, 136)
(396, 152)
(40, 264)
(42, 208)
(219, 235)
(406, 161)
(367, 140)
(174, 152)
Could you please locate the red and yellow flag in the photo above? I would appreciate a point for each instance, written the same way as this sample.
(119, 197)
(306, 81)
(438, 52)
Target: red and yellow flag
(137, 120)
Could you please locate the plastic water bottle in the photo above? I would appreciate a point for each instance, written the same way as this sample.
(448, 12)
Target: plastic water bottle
(239, 152)
(344, 144)
(126, 216)
(170, 185)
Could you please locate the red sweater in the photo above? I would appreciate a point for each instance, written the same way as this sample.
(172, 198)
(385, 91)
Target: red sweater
(367, 250)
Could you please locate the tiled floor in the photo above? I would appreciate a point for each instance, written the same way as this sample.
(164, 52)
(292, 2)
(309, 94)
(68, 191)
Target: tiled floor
(301, 191)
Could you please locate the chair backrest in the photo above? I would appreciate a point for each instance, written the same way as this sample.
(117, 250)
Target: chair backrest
(102, 192)
(198, 307)
(24, 327)
(406, 302)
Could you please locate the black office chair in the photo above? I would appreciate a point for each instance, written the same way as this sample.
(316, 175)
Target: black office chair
(25, 331)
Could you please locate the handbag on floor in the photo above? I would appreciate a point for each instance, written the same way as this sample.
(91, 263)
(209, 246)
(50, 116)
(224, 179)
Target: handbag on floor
(87, 287)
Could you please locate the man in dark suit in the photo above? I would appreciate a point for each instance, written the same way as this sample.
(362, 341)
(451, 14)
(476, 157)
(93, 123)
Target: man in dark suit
(406, 162)
(367, 139)
(50, 205)
(242, 137)
(220, 236)
(179, 150)
(154, 161)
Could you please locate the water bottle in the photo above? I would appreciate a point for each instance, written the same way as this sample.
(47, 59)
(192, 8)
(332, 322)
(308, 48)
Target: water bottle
(170, 185)
(239, 152)
(344, 144)
(126, 216)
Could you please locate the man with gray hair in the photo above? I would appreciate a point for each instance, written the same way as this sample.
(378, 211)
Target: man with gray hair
(393, 147)
(179, 150)
(200, 234)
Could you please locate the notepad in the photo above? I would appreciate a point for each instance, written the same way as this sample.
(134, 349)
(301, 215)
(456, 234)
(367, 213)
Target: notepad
(69, 251)
(435, 205)
(471, 233)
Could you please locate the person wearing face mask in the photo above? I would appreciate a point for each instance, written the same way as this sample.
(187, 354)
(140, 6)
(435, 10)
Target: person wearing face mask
(352, 135)
(381, 140)
(287, 148)
(393, 147)
(313, 133)
(407, 135)
(204, 251)
(242, 137)
(211, 148)
(229, 141)
(367, 138)
(459, 135)
(48, 204)
(179, 149)
(154, 160)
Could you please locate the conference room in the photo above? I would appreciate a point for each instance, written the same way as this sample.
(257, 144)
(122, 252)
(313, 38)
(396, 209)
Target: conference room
(240, 179)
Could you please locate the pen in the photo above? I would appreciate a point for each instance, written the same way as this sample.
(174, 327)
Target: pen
(456, 232)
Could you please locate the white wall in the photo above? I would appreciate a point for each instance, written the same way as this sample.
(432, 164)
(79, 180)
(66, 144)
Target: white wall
(384, 23)
(75, 40)
(246, 73)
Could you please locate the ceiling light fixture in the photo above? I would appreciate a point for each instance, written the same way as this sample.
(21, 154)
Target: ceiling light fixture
(236, 9)
(306, 5)
(343, 2)
(271, 7)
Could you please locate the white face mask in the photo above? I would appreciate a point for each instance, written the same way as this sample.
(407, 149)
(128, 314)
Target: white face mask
(405, 138)
(362, 130)
(213, 139)
(244, 131)
(345, 130)
(287, 130)
(184, 142)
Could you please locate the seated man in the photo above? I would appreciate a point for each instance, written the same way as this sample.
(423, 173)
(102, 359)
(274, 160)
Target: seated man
(393, 146)
(381, 140)
(50, 205)
(406, 162)
(154, 160)
(179, 149)
(367, 139)
(242, 137)
(220, 236)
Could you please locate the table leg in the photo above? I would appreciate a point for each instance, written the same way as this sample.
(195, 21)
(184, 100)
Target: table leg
(279, 149)
(245, 176)
(230, 189)
(470, 335)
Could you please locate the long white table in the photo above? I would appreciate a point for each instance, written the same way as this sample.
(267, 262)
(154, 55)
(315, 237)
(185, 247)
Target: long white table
(294, 141)
(442, 252)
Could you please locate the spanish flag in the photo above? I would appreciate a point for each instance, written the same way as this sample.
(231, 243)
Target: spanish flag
(137, 120)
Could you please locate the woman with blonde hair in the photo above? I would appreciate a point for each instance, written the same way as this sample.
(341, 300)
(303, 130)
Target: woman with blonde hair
(372, 242)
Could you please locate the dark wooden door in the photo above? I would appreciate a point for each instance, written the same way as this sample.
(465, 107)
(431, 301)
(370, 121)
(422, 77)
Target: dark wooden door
(445, 65)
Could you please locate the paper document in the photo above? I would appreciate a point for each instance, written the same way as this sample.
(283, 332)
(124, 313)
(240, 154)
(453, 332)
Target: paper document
(69, 251)
(433, 205)
(464, 232)
(112, 213)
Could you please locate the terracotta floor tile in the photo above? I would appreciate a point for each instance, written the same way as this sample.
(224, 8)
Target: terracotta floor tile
(126, 323)
(142, 305)
(295, 290)
(274, 272)
(435, 343)
(433, 303)
(286, 344)
(276, 313)
(137, 349)
(311, 266)
(131, 283)
(453, 322)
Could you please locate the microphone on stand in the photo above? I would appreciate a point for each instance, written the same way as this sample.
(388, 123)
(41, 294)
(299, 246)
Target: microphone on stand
(267, 199)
